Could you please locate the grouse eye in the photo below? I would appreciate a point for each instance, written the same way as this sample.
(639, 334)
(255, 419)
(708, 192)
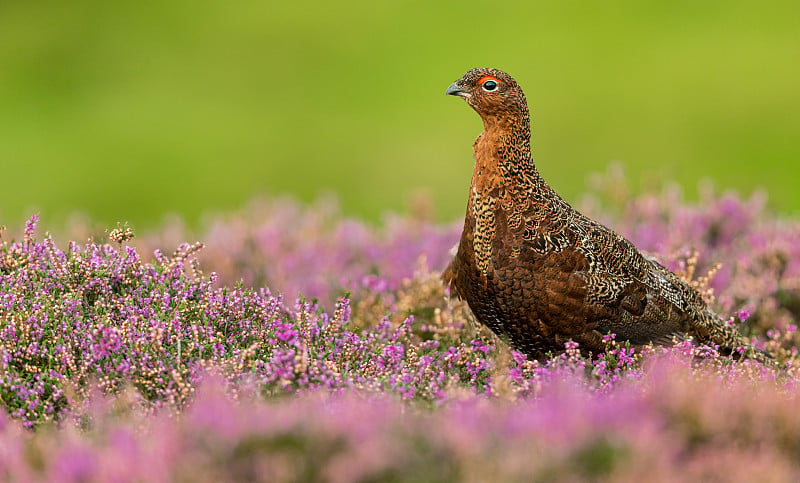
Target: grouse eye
(489, 85)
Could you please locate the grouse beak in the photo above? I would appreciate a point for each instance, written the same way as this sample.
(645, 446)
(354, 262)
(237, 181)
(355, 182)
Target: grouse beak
(454, 90)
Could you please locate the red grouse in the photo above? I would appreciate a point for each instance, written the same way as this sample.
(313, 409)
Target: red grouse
(535, 270)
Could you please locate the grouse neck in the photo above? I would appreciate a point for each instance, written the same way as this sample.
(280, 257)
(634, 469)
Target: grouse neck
(503, 154)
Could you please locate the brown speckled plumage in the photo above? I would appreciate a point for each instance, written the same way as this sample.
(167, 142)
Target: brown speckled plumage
(534, 269)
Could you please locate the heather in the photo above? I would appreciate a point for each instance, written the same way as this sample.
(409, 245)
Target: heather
(293, 343)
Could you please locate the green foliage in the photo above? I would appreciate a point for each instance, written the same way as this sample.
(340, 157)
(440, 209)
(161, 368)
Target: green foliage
(130, 110)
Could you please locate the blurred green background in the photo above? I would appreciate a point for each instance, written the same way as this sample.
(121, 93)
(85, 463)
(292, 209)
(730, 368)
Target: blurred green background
(132, 110)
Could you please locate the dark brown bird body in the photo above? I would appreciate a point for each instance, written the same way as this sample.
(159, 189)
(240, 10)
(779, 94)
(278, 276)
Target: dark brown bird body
(536, 270)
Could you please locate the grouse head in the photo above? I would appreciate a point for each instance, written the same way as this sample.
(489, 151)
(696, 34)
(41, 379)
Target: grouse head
(494, 95)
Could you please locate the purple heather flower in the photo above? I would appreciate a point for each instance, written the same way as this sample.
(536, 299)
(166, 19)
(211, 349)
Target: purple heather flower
(155, 361)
